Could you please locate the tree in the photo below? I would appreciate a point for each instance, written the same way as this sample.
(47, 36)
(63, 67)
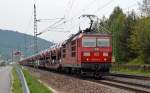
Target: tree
(145, 40)
(130, 21)
(145, 7)
(116, 25)
(131, 35)
(140, 39)
(103, 26)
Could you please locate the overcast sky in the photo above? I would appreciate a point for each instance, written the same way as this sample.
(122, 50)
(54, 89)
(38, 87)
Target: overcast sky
(18, 14)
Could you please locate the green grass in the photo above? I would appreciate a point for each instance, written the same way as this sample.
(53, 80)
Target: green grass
(137, 61)
(34, 85)
(132, 72)
(16, 86)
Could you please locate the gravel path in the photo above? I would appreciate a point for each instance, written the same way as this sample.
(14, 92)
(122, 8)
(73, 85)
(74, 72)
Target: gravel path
(5, 79)
(66, 84)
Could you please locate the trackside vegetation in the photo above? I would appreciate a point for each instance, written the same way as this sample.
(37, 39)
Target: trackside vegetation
(132, 72)
(34, 85)
(16, 84)
(131, 34)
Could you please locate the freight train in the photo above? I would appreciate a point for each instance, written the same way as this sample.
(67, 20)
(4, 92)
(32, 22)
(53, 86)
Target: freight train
(86, 52)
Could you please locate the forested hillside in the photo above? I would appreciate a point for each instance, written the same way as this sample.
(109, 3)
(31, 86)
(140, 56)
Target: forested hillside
(131, 34)
(11, 40)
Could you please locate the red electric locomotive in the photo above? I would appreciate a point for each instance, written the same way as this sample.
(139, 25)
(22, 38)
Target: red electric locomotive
(86, 52)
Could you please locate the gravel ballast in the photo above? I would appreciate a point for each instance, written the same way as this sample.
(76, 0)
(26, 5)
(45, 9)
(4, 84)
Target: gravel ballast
(66, 84)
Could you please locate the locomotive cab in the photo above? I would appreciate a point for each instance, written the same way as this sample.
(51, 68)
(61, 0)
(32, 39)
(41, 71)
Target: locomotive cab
(96, 52)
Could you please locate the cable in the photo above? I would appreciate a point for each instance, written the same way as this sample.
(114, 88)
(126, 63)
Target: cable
(69, 2)
(88, 8)
(35, 1)
(45, 30)
(70, 8)
(102, 7)
(85, 7)
(45, 20)
(84, 10)
(61, 31)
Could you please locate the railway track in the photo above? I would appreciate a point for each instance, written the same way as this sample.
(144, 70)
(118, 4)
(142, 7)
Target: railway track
(130, 76)
(139, 84)
(127, 86)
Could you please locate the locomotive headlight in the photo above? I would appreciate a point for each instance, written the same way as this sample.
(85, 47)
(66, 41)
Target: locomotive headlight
(105, 53)
(87, 59)
(105, 59)
(86, 54)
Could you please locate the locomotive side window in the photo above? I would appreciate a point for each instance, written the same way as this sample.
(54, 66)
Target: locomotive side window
(103, 42)
(89, 42)
(73, 48)
(79, 45)
(64, 51)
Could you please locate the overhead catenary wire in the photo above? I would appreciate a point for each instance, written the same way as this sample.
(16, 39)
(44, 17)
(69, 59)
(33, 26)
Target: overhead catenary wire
(53, 29)
(66, 8)
(71, 3)
(47, 20)
(86, 7)
(65, 21)
(97, 9)
(77, 15)
(35, 1)
(93, 1)
(102, 7)
(51, 26)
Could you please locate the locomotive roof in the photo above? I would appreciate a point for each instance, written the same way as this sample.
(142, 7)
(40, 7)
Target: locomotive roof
(79, 34)
(73, 37)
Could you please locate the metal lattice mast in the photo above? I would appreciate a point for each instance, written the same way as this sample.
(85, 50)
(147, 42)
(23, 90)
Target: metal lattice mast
(35, 31)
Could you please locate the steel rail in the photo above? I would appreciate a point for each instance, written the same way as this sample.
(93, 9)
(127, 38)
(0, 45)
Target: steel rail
(135, 83)
(129, 87)
(140, 77)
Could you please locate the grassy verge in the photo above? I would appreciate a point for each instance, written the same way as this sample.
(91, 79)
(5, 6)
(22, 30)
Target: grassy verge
(137, 61)
(34, 85)
(129, 70)
(16, 84)
(132, 72)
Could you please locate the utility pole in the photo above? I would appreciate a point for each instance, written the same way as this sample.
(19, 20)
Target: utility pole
(35, 31)
(35, 37)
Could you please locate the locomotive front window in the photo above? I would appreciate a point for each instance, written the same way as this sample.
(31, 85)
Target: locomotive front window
(89, 42)
(103, 42)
